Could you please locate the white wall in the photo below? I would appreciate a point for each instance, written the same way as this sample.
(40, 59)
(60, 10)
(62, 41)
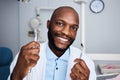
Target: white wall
(9, 33)
(27, 12)
(102, 30)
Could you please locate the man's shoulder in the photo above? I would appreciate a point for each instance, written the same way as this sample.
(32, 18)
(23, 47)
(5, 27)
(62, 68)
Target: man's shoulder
(77, 52)
(43, 44)
(76, 49)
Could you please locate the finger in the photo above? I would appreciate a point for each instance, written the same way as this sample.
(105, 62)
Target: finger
(32, 59)
(32, 56)
(31, 45)
(73, 77)
(82, 67)
(82, 63)
(75, 72)
(34, 51)
(30, 51)
(32, 63)
(79, 68)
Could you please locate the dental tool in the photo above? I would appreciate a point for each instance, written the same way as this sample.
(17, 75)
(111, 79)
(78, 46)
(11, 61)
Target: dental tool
(35, 24)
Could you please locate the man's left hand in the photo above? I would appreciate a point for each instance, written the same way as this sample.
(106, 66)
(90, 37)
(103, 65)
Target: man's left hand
(80, 71)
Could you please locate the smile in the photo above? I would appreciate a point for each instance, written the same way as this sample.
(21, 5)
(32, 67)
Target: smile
(63, 39)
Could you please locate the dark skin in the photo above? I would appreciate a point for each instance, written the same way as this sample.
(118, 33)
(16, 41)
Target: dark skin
(62, 30)
(28, 57)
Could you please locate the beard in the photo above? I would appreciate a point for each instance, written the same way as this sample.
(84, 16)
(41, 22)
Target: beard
(52, 41)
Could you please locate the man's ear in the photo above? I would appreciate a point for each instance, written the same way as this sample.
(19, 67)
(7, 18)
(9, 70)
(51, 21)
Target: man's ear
(48, 23)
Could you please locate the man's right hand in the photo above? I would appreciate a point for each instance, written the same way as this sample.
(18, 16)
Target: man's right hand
(28, 57)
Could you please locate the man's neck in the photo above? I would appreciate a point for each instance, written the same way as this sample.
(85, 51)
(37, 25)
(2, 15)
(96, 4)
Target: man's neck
(57, 52)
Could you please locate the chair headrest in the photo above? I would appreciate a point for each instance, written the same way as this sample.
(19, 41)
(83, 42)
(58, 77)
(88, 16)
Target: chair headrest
(6, 56)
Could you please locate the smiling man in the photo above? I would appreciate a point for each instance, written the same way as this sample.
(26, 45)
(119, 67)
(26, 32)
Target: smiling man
(56, 59)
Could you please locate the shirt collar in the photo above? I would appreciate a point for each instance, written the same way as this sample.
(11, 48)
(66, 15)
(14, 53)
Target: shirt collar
(51, 55)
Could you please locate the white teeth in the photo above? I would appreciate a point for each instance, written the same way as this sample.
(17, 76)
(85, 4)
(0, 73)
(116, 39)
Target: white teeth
(62, 39)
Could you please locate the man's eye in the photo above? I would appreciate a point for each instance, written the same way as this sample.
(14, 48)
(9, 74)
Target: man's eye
(75, 28)
(59, 23)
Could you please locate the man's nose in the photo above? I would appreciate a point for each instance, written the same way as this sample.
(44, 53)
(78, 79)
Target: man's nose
(66, 30)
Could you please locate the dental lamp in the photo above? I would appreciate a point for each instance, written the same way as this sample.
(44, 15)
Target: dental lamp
(82, 4)
(35, 24)
(24, 1)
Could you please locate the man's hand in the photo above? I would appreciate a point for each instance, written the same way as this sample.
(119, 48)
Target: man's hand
(80, 71)
(27, 59)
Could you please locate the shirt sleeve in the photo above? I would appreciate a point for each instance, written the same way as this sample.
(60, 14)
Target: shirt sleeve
(12, 66)
(90, 63)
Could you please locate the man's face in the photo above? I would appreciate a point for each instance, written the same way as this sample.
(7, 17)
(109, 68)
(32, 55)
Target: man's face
(62, 30)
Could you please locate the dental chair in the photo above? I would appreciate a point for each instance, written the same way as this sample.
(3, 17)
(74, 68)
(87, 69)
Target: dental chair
(6, 57)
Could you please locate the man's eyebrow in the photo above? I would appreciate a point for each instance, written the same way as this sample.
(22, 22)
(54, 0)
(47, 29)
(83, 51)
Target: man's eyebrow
(59, 19)
(76, 25)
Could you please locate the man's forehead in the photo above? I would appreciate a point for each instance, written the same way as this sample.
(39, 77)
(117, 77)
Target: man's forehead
(64, 9)
(63, 12)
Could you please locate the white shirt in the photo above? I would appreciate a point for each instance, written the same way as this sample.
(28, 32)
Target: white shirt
(38, 72)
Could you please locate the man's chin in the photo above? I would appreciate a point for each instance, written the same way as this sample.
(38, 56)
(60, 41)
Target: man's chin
(62, 47)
